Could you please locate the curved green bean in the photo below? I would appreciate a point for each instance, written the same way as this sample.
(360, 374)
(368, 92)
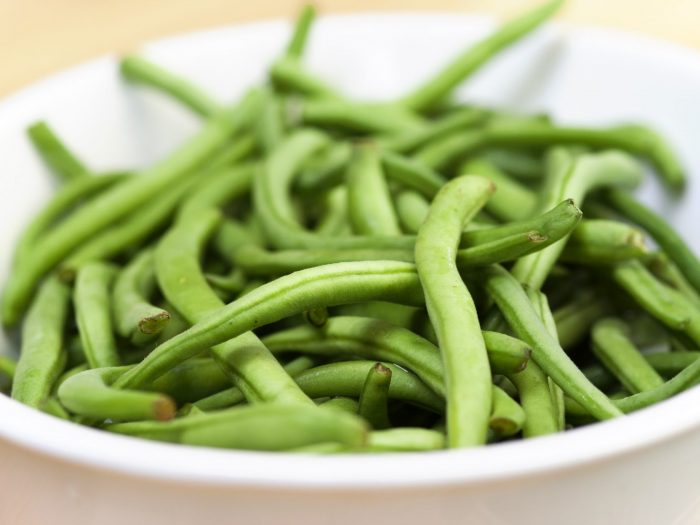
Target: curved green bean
(452, 311)
(55, 153)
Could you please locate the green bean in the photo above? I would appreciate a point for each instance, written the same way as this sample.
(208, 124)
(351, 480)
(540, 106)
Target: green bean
(398, 315)
(233, 396)
(316, 317)
(374, 397)
(541, 305)
(346, 404)
(634, 140)
(660, 264)
(555, 224)
(93, 312)
(269, 127)
(612, 345)
(670, 363)
(257, 261)
(255, 371)
(137, 69)
(412, 174)
(662, 233)
(602, 242)
(686, 378)
(412, 209)
(111, 205)
(541, 411)
(443, 83)
(59, 158)
(347, 379)
(192, 380)
(52, 407)
(289, 74)
(376, 339)
(42, 355)
(512, 201)
(67, 197)
(354, 117)
(134, 316)
(410, 140)
(300, 34)
(575, 319)
(260, 427)
(661, 301)
(452, 311)
(507, 416)
(369, 201)
(335, 219)
(518, 311)
(573, 178)
(89, 394)
(405, 439)
(519, 164)
(8, 366)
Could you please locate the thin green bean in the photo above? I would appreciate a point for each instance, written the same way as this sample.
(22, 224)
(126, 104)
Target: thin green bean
(54, 152)
(374, 397)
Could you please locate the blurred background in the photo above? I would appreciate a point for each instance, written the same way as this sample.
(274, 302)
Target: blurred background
(39, 37)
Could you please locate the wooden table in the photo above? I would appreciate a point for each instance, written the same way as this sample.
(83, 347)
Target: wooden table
(38, 37)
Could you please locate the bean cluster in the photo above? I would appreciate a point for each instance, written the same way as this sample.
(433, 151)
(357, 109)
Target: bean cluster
(320, 274)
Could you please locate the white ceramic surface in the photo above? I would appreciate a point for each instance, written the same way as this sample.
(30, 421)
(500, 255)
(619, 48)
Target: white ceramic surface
(640, 470)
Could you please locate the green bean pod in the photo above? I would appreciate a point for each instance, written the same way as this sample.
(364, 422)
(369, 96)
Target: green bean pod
(374, 397)
(54, 152)
(507, 416)
(405, 439)
(42, 355)
(602, 242)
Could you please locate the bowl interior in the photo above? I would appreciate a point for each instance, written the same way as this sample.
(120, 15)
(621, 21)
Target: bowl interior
(580, 76)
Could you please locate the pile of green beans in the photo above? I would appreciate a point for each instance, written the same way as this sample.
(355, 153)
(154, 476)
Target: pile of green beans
(311, 273)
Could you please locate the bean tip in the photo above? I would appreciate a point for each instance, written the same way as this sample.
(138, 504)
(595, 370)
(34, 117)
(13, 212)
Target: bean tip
(164, 408)
(154, 324)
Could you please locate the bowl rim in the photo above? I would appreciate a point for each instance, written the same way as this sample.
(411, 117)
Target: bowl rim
(28, 428)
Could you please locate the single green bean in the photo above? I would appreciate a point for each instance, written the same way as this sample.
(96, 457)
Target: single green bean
(601, 242)
(42, 355)
(612, 345)
(374, 397)
(412, 209)
(412, 174)
(93, 313)
(335, 219)
(405, 439)
(89, 394)
(288, 73)
(346, 404)
(663, 234)
(444, 82)
(452, 310)
(300, 33)
(259, 427)
(541, 411)
(55, 153)
(369, 200)
(134, 316)
(507, 416)
(137, 69)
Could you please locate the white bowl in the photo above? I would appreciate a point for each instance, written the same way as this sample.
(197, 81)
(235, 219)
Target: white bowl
(638, 470)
